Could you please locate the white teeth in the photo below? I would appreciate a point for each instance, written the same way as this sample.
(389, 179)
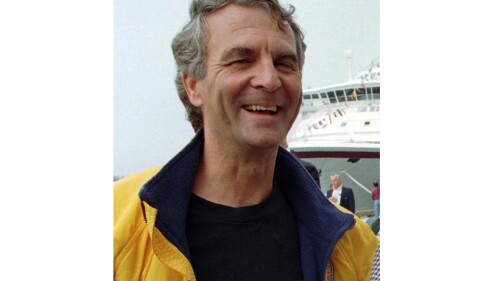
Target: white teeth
(261, 108)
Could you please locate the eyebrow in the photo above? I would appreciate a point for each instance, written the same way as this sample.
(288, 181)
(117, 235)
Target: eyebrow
(238, 51)
(235, 52)
(288, 56)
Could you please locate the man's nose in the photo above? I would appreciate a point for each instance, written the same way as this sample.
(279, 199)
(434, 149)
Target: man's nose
(266, 76)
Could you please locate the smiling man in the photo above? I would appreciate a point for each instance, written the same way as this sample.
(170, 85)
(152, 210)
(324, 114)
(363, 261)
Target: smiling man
(233, 205)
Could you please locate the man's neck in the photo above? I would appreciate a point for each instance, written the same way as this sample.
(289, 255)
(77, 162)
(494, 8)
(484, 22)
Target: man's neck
(233, 178)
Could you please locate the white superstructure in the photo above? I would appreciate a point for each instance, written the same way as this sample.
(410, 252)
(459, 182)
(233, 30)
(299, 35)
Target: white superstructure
(338, 129)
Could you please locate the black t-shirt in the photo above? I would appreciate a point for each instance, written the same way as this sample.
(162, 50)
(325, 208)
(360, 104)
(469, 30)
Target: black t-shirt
(258, 242)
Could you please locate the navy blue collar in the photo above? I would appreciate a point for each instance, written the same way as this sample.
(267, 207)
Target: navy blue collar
(320, 223)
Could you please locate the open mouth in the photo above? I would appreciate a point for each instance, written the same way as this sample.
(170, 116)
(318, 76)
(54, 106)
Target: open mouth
(261, 109)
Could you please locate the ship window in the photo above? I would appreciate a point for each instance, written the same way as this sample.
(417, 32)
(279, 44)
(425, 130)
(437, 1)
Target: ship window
(367, 123)
(331, 95)
(376, 93)
(307, 97)
(340, 95)
(361, 94)
(362, 109)
(350, 94)
(353, 160)
(343, 124)
(323, 95)
(315, 96)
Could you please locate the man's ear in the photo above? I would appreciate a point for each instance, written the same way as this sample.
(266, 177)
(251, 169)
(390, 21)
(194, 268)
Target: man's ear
(192, 85)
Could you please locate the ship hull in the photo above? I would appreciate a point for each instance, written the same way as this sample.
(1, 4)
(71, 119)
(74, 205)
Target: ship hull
(358, 169)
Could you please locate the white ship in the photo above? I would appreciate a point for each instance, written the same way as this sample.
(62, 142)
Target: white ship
(338, 130)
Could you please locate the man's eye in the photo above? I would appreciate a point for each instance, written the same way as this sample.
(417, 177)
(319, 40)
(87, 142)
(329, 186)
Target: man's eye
(241, 61)
(285, 65)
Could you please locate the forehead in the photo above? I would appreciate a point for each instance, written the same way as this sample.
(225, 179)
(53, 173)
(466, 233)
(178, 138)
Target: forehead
(235, 24)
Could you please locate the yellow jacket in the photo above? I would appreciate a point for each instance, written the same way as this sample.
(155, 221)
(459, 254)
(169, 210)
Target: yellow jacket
(149, 224)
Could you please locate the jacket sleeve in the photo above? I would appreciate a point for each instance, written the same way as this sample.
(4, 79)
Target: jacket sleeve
(329, 193)
(355, 255)
(352, 203)
(130, 250)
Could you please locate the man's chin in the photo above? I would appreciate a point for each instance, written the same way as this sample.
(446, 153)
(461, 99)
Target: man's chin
(264, 141)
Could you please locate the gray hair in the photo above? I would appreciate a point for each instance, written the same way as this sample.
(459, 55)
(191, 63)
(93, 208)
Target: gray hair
(190, 44)
(337, 176)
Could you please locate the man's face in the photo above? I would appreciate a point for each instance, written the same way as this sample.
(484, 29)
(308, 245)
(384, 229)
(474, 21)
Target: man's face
(252, 91)
(335, 182)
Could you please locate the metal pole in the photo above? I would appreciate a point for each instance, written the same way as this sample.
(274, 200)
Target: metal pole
(348, 53)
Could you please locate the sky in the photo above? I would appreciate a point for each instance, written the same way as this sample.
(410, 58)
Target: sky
(149, 120)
